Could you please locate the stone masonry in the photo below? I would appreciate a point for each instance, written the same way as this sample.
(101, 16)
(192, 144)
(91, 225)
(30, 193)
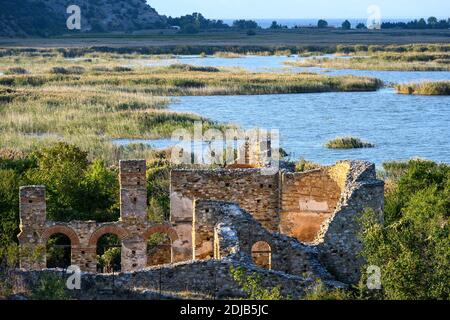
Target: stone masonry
(133, 229)
(299, 224)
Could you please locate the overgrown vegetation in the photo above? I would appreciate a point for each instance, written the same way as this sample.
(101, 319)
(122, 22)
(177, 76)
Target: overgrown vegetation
(412, 247)
(427, 88)
(251, 285)
(348, 143)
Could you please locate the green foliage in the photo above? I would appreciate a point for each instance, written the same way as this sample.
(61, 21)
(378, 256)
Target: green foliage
(348, 143)
(320, 292)
(110, 260)
(245, 24)
(15, 70)
(109, 253)
(252, 285)
(412, 248)
(304, 165)
(50, 287)
(76, 190)
(346, 25)
(321, 24)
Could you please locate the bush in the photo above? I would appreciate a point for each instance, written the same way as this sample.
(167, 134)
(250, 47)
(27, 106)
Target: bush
(348, 143)
(50, 287)
(67, 70)
(252, 285)
(187, 67)
(16, 70)
(412, 246)
(304, 165)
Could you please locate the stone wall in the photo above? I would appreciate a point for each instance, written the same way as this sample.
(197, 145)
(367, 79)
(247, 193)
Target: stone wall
(338, 241)
(253, 191)
(210, 279)
(234, 232)
(308, 199)
(133, 228)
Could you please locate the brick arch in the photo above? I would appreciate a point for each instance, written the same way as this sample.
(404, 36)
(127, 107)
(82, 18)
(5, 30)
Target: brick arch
(67, 231)
(161, 228)
(118, 231)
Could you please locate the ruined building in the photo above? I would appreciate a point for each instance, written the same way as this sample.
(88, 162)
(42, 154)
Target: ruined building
(297, 223)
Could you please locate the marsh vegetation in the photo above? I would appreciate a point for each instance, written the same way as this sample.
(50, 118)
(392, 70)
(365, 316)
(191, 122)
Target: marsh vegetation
(427, 88)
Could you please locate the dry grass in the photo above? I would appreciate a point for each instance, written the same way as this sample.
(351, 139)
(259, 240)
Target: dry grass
(428, 88)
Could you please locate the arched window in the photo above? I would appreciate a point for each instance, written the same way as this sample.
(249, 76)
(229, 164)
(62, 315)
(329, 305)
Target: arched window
(109, 251)
(262, 254)
(58, 251)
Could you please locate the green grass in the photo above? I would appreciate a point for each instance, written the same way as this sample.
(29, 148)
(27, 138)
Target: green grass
(348, 143)
(439, 88)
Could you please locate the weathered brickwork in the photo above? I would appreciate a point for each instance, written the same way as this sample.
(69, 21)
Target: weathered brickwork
(308, 199)
(132, 229)
(295, 223)
(253, 191)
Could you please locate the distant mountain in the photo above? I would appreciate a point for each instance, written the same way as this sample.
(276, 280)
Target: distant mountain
(48, 17)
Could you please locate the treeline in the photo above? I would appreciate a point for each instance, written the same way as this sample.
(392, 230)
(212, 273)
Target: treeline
(430, 23)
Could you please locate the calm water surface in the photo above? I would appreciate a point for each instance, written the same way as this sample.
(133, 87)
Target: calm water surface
(401, 126)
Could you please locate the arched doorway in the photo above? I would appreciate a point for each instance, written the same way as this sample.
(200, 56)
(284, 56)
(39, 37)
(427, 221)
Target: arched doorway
(59, 241)
(109, 253)
(58, 251)
(159, 239)
(108, 243)
(262, 254)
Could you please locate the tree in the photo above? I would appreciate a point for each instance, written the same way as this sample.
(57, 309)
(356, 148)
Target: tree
(322, 24)
(432, 21)
(76, 189)
(412, 247)
(361, 26)
(245, 24)
(275, 25)
(346, 25)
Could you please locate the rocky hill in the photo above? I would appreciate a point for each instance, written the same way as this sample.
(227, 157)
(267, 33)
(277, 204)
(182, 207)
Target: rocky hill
(48, 17)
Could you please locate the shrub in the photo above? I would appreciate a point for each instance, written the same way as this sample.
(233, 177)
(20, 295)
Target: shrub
(67, 70)
(50, 287)
(411, 247)
(16, 70)
(304, 165)
(252, 285)
(348, 143)
(187, 67)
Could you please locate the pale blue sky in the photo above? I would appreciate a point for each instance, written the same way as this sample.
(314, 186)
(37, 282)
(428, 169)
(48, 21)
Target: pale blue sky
(302, 9)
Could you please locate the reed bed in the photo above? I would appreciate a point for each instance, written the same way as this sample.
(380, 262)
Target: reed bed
(427, 88)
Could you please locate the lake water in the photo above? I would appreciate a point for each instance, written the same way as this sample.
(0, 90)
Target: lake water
(401, 126)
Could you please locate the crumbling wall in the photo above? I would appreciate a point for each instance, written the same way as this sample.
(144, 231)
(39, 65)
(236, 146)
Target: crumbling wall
(235, 231)
(210, 279)
(338, 241)
(253, 191)
(133, 228)
(308, 199)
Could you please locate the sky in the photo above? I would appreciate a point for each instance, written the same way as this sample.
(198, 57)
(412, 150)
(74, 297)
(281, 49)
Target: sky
(302, 9)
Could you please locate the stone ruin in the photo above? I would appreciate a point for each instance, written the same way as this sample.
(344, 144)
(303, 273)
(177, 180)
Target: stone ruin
(286, 225)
